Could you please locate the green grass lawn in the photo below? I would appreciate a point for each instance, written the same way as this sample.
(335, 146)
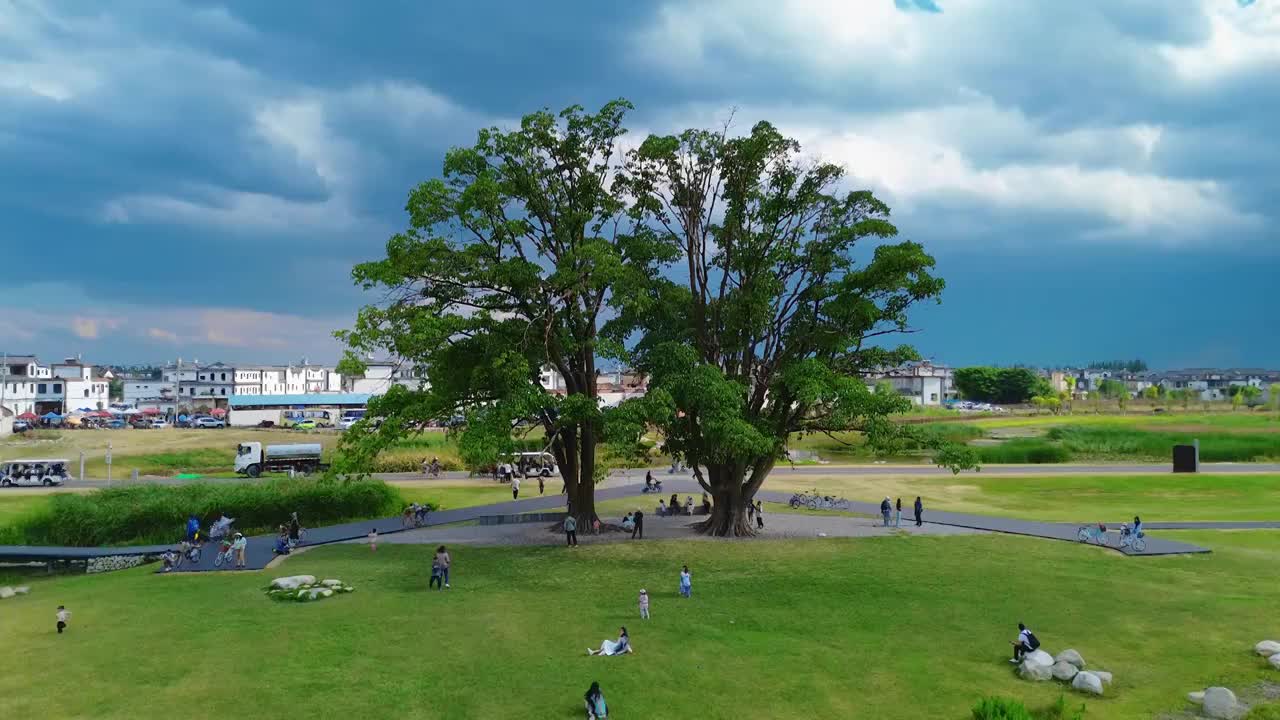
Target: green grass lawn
(1069, 498)
(894, 627)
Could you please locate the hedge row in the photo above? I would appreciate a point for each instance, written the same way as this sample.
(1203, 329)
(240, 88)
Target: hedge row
(144, 514)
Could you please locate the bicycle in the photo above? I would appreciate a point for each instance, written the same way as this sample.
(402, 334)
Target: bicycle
(1137, 541)
(187, 552)
(1096, 534)
(224, 554)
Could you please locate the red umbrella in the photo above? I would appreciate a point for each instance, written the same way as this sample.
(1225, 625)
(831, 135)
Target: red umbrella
(101, 414)
(151, 411)
(218, 411)
(28, 416)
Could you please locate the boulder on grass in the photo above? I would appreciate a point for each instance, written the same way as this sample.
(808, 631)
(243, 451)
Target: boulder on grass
(1064, 671)
(1221, 704)
(21, 590)
(1267, 648)
(293, 582)
(1275, 661)
(6, 592)
(1103, 675)
(331, 583)
(1070, 656)
(1196, 697)
(1085, 681)
(1036, 665)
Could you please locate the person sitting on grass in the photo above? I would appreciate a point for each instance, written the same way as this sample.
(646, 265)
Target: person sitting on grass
(596, 709)
(282, 542)
(628, 524)
(1026, 642)
(170, 559)
(662, 507)
(614, 647)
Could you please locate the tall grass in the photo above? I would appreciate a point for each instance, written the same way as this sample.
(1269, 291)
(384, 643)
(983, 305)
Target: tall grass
(1119, 441)
(1028, 451)
(142, 514)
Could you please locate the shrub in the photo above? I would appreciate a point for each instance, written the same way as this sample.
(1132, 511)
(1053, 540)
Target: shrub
(143, 514)
(999, 708)
(1024, 450)
(1112, 441)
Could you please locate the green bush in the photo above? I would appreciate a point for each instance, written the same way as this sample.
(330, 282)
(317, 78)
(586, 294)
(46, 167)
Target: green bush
(143, 514)
(1024, 451)
(999, 708)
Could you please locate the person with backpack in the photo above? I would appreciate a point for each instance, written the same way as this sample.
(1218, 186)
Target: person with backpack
(570, 530)
(1026, 642)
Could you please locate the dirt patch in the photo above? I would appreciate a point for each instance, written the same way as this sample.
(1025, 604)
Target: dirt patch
(1192, 428)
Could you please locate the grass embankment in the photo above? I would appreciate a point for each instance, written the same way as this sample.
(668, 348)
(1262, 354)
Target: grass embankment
(210, 453)
(1068, 498)
(1112, 443)
(895, 627)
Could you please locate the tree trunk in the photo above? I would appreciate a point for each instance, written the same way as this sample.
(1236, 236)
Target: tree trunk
(730, 493)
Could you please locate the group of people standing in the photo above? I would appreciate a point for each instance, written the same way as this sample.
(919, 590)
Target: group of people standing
(888, 510)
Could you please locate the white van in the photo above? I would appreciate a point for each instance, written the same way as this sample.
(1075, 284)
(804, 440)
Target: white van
(48, 473)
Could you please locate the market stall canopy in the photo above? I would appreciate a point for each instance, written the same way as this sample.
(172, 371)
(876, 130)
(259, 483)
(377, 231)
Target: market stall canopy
(218, 412)
(151, 411)
(28, 416)
(51, 416)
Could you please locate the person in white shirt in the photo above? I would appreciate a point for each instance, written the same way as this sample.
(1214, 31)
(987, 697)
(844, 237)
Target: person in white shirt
(1026, 642)
(238, 546)
(515, 488)
(64, 616)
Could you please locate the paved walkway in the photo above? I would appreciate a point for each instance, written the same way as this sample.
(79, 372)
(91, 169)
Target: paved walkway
(259, 551)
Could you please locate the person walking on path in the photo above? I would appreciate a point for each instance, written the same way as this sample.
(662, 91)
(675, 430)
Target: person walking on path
(570, 530)
(239, 545)
(373, 540)
(897, 519)
(441, 561)
(515, 487)
(759, 514)
(885, 507)
(64, 616)
(644, 604)
(686, 582)
(639, 528)
(919, 511)
(542, 484)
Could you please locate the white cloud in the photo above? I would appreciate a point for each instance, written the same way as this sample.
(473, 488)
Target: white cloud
(1241, 38)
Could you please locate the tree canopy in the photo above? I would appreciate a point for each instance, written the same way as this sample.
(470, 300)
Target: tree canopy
(505, 269)
(1000, 385)
(754, 312)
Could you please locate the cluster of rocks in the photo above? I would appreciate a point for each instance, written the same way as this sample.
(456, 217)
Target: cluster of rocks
(1067, 667)
(1269, 649)
(1218, 703)
(305, 588)
(113, 562)
(7, 592)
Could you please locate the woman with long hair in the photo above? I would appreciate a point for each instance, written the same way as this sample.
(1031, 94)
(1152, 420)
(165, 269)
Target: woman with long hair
(614, 647)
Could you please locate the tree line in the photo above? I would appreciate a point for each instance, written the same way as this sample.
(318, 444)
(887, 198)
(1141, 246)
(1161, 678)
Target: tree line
(722, 266)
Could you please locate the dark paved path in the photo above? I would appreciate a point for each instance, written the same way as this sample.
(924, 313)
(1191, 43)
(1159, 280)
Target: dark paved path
(259, 551)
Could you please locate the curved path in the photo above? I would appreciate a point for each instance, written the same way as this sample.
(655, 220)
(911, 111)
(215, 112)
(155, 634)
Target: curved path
(259, 552)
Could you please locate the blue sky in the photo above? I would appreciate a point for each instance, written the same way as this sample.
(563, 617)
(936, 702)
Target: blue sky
(1096, 178)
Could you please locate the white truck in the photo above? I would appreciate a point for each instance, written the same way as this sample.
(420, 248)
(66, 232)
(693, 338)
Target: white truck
(253, 459)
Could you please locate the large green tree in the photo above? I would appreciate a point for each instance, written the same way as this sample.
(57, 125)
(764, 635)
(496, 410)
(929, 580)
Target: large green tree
(504, 270)
(754, 307)
(1001, 385)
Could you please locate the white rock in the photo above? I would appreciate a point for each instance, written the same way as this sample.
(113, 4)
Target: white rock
(1070, 656)
(1267, 648)
(326, 592)
(1275, 661)
(21, 590)
(1196, 697)
(1032, 670)
(293, 582)
(6, 592)
(1038, 657)
(1085, 681)
(1220, 703)
(331, 583)
(1103, 675)
(1063, 670)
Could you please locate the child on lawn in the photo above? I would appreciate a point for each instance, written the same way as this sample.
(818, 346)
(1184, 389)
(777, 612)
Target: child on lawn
(373, 540)
(686, 582)
(64, 615)
(644, 604)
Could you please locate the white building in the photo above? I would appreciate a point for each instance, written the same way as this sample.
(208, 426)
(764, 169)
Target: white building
(380, 375)
(27, 386)
(923, 383)
(20, 378)
(83, 387)
(137, 392)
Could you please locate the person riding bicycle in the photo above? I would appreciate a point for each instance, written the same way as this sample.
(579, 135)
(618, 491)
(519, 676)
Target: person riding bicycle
(221, 528)
(295, 530)
(420, 512)
(434, 467)
(193, 528)
(1134, 531)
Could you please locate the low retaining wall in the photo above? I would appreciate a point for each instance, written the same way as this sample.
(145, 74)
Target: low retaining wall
(522, 518)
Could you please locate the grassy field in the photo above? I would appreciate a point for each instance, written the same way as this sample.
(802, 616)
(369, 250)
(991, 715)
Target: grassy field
(895, 627)
(1069, 498)
(204, 452)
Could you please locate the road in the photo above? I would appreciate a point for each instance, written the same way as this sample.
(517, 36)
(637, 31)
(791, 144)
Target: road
(829, 471)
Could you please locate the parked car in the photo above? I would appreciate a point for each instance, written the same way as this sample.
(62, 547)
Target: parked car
(305, 425)
(159, 425)
(21, 426)
(207, 422)
(117, 424)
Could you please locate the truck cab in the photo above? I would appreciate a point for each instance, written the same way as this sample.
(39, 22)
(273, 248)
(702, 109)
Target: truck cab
(249, 455)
